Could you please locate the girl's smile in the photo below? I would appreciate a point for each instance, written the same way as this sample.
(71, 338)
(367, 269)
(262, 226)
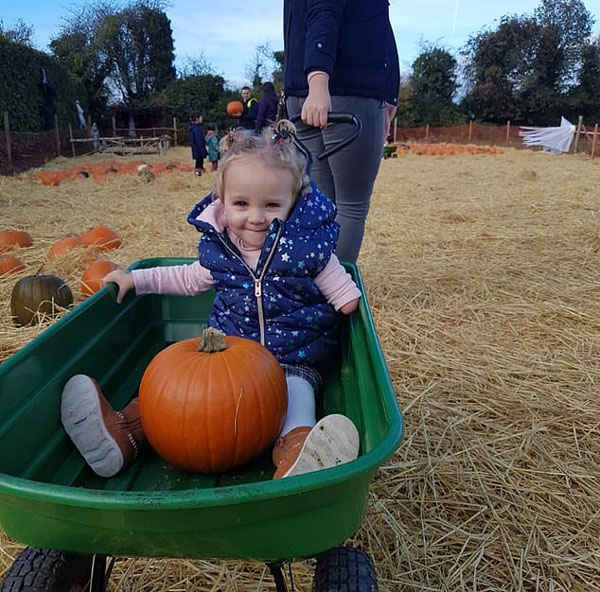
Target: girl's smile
(254, 195)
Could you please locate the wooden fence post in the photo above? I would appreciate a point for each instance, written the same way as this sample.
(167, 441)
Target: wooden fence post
(508, 132)
(470, 130)
(7, 135)
(395, 129)
(577, 133)
(114, 126)
(426, 131)
(71, 140)
(594, 140)
(175, 130)
(57, 134)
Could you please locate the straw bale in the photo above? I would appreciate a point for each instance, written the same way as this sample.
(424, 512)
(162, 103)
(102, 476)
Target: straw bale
(484, 287)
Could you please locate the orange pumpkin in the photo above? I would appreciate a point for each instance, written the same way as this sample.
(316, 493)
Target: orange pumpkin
(10, 265)
(91, 280)
(209, 409)
(63, 246)
(235, 108)
(14, 238)
(102, 237)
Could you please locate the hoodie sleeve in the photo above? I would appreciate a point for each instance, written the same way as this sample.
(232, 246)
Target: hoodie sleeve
(323, 19)
(177, 280)
(336, 285)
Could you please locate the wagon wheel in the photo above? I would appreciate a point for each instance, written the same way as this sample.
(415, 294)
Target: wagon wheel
(345, 569)
(46, 570)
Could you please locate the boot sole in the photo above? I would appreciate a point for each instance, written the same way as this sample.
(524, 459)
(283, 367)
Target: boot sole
(81, 416)
(333, 441)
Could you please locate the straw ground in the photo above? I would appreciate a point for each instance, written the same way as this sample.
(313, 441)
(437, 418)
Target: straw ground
(482, 274)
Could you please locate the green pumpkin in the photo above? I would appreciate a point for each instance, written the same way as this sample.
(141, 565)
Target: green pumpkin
(43, 294)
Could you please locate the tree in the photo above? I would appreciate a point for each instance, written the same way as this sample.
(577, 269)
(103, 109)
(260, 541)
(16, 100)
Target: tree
(433, 84)
(572, 23)
(78, 48)
(513, 72)
(21, 33)
(205, 93)
(138, 43)
(583, 97)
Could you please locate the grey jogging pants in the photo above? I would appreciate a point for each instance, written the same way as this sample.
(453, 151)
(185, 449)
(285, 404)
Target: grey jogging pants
(348, 176)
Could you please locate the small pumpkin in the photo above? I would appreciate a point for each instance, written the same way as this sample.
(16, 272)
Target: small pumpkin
(212, 403)
(63, 246)
(235, 108)
(10, 265)
(91, 280)
(14, 238)
(37, 296)
(102, 237)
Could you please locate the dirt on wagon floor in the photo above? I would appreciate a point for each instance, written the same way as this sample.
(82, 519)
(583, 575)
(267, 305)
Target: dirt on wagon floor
(482, 272)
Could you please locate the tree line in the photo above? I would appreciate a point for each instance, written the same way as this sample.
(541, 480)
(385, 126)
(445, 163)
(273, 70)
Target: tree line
(530, 68)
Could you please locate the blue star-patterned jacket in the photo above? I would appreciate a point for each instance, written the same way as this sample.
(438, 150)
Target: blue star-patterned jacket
(278, 303)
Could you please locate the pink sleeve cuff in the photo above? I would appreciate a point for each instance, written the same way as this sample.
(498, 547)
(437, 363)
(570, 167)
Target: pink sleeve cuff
(336, 284)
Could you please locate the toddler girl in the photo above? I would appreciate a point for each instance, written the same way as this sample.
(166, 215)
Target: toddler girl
(267, 249)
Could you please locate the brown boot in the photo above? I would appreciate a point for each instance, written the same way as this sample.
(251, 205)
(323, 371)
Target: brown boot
(333, 441)
(108, 440)
(287, 448)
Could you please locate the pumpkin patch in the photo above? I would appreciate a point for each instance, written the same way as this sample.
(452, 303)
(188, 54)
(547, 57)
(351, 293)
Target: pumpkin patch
(91, 280)
(101, 237)
(10, 265)
(212, 403)
(10, 239)
(63, 246)
(35, 297)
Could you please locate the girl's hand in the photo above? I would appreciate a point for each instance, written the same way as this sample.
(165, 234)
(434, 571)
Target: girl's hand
(318, 103)
(123, 279)
(349, 307)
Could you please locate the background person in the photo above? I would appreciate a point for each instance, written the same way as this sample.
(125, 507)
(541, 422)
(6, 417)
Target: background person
(197, 143)
(267, 107)
(342, 57)
(248, 116)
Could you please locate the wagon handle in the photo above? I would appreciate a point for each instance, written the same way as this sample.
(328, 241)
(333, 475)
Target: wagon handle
(332, 117)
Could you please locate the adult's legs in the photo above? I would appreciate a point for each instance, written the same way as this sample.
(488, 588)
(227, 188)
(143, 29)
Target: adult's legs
(348, 176)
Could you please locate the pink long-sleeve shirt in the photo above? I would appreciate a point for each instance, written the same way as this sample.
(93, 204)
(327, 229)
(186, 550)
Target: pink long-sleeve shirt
(334, 282)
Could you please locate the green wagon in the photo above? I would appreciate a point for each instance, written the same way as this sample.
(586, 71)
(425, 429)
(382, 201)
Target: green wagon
(73, 520)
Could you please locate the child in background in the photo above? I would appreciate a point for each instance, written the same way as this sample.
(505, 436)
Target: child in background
(225, 143)
(267, 249)
(197, 143)
(212, 144)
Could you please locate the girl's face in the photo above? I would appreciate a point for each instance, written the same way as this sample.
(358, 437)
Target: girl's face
(254, 195)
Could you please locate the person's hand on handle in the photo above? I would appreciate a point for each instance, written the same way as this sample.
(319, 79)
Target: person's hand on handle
(388, 114)
(124, 281)
(318, 103)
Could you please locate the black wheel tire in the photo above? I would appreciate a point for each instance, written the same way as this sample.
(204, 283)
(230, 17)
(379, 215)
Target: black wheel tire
(46, 570)
(345, 569)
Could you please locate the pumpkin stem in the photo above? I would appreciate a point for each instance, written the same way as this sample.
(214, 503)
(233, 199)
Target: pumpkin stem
(211, 340)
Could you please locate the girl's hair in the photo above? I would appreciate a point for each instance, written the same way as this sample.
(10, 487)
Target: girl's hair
(274, 149)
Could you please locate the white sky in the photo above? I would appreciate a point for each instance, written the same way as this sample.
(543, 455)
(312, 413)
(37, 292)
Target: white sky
(226, 32)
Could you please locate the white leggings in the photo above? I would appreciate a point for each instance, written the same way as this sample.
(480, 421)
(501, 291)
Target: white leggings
(301, 404)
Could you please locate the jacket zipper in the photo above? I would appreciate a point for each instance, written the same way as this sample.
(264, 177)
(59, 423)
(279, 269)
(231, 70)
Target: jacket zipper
(257, 281)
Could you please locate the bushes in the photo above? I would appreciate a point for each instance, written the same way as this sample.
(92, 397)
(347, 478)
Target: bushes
(21, 90)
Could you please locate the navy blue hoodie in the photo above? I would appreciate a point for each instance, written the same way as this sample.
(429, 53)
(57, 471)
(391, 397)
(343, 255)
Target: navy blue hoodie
(351, 40)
